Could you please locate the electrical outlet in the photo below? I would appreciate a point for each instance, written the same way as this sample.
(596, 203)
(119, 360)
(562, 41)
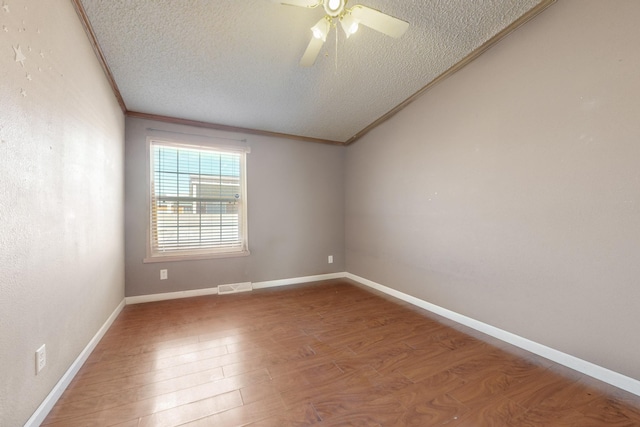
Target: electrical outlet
(163, 275)
(41, 358)
(330, 259)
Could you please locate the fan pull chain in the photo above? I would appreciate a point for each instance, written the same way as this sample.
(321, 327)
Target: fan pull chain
(337, 48)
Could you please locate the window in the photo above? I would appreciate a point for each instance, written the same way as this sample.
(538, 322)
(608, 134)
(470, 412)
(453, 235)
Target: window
(198, 201)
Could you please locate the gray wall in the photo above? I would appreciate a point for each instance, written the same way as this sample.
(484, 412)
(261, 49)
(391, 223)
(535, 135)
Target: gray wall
(61, 200)
(510, 192)
(295, 202)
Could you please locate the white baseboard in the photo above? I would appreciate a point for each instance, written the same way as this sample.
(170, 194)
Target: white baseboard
(171, 295)
(214, 291)
(49, 402)
(297, 280)
(603, 374)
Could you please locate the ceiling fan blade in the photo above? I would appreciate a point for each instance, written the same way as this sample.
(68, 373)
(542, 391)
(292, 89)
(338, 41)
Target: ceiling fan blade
(312, 52)
(301, 3)
(379, 21)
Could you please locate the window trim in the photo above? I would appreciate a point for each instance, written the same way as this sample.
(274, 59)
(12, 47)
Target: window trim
(197, 254)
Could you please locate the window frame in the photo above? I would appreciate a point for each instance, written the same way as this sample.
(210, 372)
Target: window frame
(207, 253)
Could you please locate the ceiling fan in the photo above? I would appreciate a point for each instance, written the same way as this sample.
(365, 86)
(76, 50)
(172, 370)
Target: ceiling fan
(349, 18)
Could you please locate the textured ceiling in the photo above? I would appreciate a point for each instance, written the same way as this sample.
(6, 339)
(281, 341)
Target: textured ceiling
(235, 62)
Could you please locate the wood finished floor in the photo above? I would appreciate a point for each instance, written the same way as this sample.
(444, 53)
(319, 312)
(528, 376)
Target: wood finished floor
(324, 354)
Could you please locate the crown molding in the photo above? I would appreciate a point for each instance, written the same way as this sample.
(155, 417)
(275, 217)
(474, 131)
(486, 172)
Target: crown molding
(227, 128)
(82, 14)
(535, 11)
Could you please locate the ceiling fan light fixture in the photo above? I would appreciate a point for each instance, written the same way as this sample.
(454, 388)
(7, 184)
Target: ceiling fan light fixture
(321, 29)
(334, 7)
(349, 24)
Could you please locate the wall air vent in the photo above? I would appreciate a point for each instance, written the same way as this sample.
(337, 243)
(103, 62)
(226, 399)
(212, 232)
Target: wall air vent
(234, 288)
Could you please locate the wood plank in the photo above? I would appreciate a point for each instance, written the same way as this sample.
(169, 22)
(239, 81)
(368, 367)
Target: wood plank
(328, 353)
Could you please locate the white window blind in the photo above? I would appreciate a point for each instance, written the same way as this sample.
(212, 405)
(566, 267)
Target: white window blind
(198, 200)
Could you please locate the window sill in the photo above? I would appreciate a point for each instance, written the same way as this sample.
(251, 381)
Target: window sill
(194, 257)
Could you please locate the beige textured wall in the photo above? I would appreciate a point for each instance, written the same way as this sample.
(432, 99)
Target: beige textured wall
(61, 199)
(296, 212)
(510, 192)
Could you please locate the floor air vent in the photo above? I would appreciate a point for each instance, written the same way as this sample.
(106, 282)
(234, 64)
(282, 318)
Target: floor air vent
(234, 288)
